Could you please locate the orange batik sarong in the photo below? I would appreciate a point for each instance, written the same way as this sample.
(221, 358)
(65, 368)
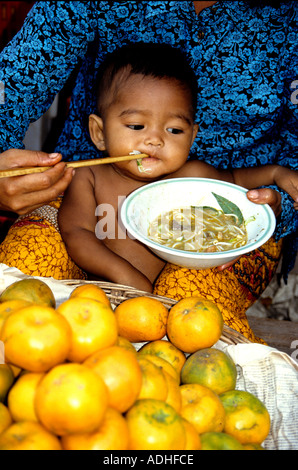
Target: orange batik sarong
(34, 246)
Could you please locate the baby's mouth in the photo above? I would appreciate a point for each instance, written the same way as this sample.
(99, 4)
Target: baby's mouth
(140, 162)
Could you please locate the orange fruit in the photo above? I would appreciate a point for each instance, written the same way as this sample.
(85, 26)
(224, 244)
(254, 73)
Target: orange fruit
(5, 418)
(173, 397)
(6, 380)
(111, 435)
(219, 441)
(194, 323)
(71, 398)
(155, 425)
(164, 366)
(212, 368)
(124, 343)
(36, 338)
(6, 308)
(93, 326)
(90, 291)
(21, 397)
(202, 408)
(27, 435)
(32, 290)
(154, 383)
(121, 372)
(193, 441)
(16, 370)
(141, 319)
(166, 350)
(247, 418)
(253, 447)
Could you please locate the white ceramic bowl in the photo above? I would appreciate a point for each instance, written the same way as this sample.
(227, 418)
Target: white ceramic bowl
(142, 206)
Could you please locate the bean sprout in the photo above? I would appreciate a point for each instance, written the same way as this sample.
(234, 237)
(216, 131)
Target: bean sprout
(198, 229)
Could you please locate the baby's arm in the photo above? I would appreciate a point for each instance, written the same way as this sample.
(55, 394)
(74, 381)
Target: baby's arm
(267, 175)
(250, 178)
(287, 180)
(77, 223)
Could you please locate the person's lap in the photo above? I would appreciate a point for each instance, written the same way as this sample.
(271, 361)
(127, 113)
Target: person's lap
(34, 246)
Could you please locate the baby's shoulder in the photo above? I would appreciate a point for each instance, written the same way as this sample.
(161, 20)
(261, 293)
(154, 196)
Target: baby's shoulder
(94, 173)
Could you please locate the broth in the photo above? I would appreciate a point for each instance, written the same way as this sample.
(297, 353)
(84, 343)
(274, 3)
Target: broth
(198, 229)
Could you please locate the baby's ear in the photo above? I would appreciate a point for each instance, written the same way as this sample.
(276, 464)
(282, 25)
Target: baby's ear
(194, 132)
(96, 131)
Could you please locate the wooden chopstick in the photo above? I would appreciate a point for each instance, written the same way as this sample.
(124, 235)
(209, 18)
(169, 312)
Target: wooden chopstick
(78, 164)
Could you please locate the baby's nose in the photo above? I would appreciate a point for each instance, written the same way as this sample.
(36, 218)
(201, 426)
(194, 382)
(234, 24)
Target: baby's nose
(154, 138)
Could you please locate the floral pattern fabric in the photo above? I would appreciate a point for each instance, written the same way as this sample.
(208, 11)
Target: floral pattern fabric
(245, 57)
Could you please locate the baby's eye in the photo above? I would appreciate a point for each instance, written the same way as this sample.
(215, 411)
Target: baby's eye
(173, 130)
(135, 127)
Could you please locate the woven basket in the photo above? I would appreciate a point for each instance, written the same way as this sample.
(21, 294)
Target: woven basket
(118, 293)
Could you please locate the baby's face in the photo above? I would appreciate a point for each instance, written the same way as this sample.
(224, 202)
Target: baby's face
(154, 117)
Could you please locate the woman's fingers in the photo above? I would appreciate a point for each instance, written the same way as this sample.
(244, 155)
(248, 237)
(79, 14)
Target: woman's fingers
(51, 189)
(21, 194)
(14, 158)
(266, 196)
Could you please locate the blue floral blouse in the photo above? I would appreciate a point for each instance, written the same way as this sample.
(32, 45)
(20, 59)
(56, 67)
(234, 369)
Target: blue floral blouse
(245, 57)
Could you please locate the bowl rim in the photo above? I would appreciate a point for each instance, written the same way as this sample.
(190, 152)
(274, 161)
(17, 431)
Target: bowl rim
(265, 208)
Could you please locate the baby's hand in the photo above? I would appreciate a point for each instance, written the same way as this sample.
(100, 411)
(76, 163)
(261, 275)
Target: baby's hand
(287, 180)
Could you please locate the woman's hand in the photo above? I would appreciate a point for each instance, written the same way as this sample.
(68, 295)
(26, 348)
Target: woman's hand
(266, 196)
(22, 194)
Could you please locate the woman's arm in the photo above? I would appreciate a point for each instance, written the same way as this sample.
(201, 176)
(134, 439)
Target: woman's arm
(77, 222)
(286, 136)
(34, 67)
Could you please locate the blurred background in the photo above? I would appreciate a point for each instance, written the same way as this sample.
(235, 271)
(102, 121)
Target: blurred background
(12, 15)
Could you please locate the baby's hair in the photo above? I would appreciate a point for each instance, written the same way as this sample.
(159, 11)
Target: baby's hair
(160, 61)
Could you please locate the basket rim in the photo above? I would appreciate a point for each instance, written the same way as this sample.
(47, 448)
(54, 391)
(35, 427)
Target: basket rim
(121, 292)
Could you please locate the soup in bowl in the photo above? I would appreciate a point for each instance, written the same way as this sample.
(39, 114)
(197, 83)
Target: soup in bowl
(196, 223)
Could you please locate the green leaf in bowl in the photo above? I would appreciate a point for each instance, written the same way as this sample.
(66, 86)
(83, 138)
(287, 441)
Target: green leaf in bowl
(229, 207)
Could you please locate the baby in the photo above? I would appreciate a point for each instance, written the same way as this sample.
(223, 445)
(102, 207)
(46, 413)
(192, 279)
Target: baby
(147, 97)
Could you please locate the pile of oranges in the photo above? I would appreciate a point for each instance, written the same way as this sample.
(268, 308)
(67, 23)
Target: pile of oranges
(74, 379)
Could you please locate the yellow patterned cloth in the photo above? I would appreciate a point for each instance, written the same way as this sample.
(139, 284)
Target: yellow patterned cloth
(234, 290)
(34, 245)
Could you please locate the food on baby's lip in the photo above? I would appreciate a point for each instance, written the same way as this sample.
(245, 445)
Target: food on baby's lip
(139, 162)
(141, 168)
